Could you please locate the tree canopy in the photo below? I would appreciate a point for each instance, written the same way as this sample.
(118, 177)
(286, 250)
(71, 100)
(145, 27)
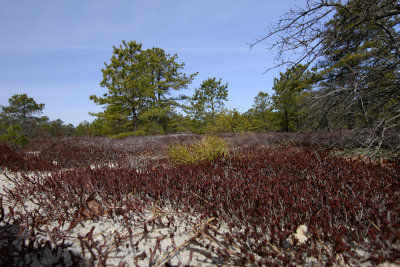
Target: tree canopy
(354, 46)
(139, 84)
(20, 115)
(20, 121)
(208, 100)
(21, 107)
(289, 90)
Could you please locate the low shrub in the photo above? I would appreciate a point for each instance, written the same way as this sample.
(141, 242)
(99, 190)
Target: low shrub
(14, 135)
(128, 134)
(208, 148)
(9, 157)
(256, 200)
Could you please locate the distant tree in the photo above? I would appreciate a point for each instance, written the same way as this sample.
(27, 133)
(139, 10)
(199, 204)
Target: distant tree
(55, 128)
(262, 103)
(230, 121)
(261, 114)
(138, 83)
(21, 107)
(289, 90)
(208, 100)
(22, 110)
(59, 129)
(83, 129)
(179, 123)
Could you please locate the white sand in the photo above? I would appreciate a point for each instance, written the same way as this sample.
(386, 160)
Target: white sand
(176, 250)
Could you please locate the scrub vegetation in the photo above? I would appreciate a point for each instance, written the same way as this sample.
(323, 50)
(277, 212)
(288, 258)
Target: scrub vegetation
(308, 176)
(249, 199)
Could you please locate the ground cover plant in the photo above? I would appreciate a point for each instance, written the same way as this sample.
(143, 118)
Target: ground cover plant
(123, 202)
(208, 148)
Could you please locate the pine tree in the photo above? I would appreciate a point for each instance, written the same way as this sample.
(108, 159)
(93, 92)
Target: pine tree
(163, 76)
(208, 100)
(22, 111)
(139, 83)
(359, 74)
(355, 46)
(290, 89)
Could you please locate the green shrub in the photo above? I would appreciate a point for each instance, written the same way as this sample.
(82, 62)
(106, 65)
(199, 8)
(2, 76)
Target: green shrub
(208, 148)
(14, 135)
(128, 134)
(152, 128)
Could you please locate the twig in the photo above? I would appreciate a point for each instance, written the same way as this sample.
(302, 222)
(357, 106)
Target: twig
(172, 253)
(216, 242)
(199, 197)
(375, 226)
(274, 247)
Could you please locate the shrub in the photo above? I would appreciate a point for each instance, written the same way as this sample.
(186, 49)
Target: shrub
(208, 148)
(128, 134)
(14, 135)
(9, 157)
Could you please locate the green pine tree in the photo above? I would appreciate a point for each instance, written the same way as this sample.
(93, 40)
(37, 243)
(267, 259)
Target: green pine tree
(290, 89)
(208, 101)
(139, 84)
(22, 110)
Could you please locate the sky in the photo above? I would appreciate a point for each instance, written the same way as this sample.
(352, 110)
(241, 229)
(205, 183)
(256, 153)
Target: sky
(54, 50)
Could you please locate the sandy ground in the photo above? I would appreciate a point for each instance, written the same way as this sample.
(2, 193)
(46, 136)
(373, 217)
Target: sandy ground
(158, 237)
(164, 242)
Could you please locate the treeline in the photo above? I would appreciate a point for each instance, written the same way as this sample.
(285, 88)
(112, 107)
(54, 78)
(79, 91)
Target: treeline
(143, 98)
(140, 101)
(20, 121)
(204, 112)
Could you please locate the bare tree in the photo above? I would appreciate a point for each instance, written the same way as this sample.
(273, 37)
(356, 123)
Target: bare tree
(354, 46)
(301, 33)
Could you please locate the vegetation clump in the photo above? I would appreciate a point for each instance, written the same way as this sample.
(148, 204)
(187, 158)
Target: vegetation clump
(14, 135)
(208, 148)
(128, 134)
(278, 202)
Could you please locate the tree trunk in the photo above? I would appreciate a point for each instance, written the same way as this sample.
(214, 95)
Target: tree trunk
(134, 119)
(286, 121)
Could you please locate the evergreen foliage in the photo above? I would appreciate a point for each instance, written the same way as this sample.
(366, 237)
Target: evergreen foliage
(19, 121)
(139, 84)
(359, 74)
(353, 46)
(22, 111)
(261, 115)
(208, 101)
(14, 135)
(230, 121)
(290, 89)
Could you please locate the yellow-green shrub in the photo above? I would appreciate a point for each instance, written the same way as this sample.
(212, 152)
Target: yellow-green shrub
(208, 148)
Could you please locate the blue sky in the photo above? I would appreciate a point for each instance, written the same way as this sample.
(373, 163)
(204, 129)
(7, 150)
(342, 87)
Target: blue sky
(54, 50)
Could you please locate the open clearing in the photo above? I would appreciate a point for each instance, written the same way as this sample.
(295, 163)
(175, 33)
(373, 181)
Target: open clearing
(276, 199)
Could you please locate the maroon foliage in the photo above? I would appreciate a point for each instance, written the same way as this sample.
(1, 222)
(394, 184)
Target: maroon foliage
(259, 195)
